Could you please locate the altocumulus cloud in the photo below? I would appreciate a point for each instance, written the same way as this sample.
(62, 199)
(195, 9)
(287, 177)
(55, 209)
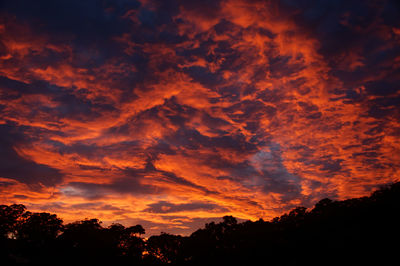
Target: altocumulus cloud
(174, 113)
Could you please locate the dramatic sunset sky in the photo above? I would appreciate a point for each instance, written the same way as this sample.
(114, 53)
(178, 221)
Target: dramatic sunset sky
(175, 113)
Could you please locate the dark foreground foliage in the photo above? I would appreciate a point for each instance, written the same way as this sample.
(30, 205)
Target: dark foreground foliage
(361, 231)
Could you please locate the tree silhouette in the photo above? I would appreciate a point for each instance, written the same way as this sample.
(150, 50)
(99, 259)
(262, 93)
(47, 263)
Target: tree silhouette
(360, 231)
(165, 248)
(9, 219)
(39, 227)
(126, 242)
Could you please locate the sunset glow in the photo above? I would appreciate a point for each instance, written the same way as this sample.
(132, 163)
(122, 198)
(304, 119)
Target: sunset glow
(171, 114)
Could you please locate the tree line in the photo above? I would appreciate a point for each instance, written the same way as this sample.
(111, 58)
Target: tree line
(359, 231)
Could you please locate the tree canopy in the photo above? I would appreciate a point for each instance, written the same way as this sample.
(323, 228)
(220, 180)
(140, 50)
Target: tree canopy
(359, 231)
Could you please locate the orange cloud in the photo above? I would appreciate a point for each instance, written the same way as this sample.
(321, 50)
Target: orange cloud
(174, 116)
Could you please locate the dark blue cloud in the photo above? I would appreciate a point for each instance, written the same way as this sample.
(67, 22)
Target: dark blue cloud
(67, 104)
(13, 166)
(168, 207)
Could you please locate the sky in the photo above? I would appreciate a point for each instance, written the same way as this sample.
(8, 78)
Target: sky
(174, 113)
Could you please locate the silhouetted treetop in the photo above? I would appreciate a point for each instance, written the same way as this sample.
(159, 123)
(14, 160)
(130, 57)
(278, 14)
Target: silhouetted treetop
(9, 218)
(359, 231)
